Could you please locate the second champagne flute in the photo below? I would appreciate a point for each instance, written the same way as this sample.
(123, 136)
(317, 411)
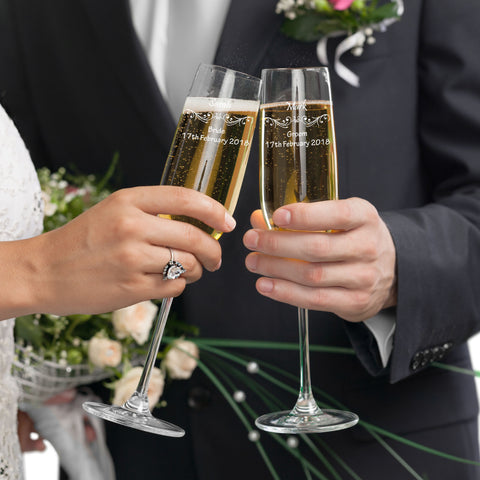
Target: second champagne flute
(298, 164)
(209, 154)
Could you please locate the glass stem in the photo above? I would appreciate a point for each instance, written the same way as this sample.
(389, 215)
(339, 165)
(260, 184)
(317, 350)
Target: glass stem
(138, 402)
(306, 404)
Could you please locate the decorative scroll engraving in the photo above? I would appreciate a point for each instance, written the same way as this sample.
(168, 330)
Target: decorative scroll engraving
(278, 123)
(306, 121)
(228, 118)
(204, 117)
(236, 120)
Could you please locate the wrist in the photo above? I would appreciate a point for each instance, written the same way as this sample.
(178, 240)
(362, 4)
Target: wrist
(22, 277)
(391, 300)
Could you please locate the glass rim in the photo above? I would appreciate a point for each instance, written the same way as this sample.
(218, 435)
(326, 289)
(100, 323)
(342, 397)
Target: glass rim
(244, 75)
(289, 69)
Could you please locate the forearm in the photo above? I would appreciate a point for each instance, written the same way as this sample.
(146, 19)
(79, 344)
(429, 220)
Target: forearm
(438, 245)
(112, 255)
(438, 264)
(19, 277)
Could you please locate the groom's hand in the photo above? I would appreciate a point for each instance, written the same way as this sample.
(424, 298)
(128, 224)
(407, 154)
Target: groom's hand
(350, 272)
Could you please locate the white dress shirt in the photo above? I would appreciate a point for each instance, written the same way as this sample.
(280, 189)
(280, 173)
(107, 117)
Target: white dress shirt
(178, 35)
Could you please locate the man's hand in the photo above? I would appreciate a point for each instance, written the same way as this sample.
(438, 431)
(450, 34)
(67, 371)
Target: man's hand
(336, 256)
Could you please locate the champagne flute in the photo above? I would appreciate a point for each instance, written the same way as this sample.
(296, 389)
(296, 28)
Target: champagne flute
(209, 153)
(298, 164)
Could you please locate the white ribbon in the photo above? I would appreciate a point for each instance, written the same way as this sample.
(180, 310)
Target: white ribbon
(357, 39)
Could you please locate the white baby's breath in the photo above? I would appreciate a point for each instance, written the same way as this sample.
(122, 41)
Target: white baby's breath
(49, 208)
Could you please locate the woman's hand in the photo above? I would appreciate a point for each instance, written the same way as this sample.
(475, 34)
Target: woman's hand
(113, 255)
(350, 272)
(25, 430)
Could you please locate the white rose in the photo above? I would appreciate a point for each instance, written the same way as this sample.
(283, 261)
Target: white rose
(49, 208)
(181, 360)
(103, 352)
(135, 321)
(128, 383)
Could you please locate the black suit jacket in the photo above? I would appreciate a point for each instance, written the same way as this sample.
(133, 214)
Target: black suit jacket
(74, 78)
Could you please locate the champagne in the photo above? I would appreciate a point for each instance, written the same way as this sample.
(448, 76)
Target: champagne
(210, 150)
(297, 154)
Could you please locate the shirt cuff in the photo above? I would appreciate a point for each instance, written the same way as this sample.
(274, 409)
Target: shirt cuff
(382, 327)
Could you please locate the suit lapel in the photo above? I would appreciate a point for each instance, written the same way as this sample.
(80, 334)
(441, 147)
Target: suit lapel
(242, 46)
(249, 29)
(119, 43)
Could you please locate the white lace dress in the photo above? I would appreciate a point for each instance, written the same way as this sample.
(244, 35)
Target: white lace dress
(21, 214)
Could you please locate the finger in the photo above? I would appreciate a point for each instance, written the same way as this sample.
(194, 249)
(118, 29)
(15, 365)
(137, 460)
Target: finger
(309, 246)
(257, 220)
(325, 215)
(36, 445)
(153, 260)
(28, 438)
(323, 274)
(186, 237)
(167, 200)
(158, 287)
(343, 302)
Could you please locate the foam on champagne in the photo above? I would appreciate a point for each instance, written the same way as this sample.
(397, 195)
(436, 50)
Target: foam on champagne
(230, 105)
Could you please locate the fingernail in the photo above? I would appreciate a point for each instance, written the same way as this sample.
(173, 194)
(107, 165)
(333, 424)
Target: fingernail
(250, 239)
(282, 217)
(265, 285)
(251, 262)
(230, 221)
(219, 264)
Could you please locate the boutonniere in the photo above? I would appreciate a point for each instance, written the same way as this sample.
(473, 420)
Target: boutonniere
(320, 20)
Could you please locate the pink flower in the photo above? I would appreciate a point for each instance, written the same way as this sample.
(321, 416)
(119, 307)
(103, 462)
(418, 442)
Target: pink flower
(340, 4)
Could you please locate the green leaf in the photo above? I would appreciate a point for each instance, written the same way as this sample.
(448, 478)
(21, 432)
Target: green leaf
(27, 330)
(74, 356)
(76, 206)
(80, 317)
(388, 10)
(102, 184)
(304, 27)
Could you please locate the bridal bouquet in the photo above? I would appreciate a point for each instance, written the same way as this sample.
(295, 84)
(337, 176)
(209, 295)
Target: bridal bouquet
(57, 353)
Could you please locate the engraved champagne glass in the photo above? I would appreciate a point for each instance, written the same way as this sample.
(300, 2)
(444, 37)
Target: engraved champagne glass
(209, 154)
(298, 164)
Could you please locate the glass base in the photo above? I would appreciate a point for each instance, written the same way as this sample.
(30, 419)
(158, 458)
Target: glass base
(140, 421)
(290, 423)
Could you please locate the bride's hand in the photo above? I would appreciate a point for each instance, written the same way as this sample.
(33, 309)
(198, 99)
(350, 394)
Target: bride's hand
(113, 255)
(25, 430)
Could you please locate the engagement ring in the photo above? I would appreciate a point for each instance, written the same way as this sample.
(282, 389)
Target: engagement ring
(172, 269)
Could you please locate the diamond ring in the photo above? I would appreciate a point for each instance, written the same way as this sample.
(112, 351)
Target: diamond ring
(172, 269)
